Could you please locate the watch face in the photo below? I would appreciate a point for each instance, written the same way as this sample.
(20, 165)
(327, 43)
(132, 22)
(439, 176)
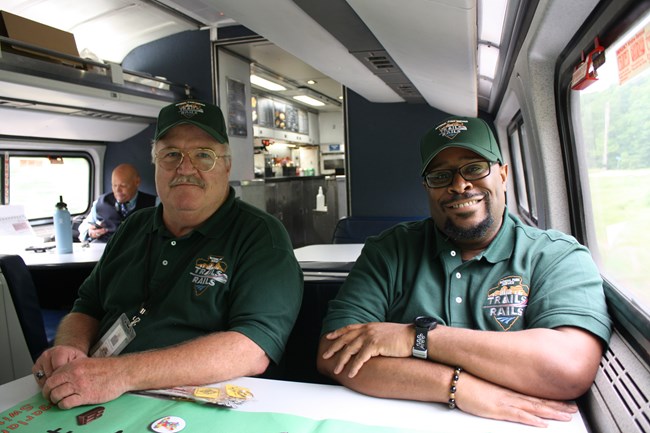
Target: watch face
(425, 322)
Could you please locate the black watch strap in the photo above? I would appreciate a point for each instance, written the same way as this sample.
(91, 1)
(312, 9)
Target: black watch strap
(423, 325)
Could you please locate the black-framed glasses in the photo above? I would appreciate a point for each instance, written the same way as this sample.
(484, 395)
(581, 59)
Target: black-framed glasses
(471, 171)
(202, 159)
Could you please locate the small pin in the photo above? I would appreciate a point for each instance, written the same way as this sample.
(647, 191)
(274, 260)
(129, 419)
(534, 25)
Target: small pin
(168, 424)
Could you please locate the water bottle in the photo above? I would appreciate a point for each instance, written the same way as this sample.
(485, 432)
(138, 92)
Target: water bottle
(62, 228)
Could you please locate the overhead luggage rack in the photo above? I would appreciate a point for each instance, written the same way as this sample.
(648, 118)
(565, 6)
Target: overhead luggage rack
(72, 94)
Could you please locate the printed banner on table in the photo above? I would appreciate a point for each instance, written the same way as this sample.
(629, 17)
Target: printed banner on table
(135, 413)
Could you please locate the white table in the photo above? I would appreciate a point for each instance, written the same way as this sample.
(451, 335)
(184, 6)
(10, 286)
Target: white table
(336, 402)
(80, 255)
(333, 253)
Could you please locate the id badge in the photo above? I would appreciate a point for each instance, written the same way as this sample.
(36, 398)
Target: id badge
(115, 339)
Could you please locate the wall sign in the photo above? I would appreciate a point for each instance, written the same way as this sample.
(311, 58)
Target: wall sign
(237, 124)
(633, 57)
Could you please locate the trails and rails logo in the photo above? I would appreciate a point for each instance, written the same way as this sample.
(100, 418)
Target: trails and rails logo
(451, 128)
(207, 273)
(507, 301)
(189, 109)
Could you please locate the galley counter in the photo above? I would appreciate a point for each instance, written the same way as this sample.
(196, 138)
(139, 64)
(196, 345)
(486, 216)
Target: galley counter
(292, 200)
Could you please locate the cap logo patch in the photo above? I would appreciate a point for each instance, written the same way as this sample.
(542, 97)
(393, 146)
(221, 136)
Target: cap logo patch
(451, 128)
(189, 109)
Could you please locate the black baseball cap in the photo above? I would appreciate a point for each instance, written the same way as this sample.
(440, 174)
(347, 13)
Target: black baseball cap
(206, 116)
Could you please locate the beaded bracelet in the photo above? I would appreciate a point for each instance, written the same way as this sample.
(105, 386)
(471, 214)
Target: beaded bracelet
(452, 388)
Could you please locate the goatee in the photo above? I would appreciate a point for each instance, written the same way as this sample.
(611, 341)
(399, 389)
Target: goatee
(472, 233)
(468, 234)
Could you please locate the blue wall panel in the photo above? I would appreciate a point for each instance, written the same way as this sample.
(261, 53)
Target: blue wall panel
(184, 58)
(384, 157)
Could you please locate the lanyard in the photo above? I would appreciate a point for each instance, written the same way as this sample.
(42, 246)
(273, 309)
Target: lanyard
(168, 283)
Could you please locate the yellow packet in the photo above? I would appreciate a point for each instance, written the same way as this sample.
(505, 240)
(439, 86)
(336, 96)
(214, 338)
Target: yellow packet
(239, 392)
(207, 392)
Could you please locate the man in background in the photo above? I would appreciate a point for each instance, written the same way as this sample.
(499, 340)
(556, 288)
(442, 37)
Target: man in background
(110, 209)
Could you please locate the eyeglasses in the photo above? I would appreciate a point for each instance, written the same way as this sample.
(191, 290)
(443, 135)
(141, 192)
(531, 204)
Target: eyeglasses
(472, 171)
(202, 159)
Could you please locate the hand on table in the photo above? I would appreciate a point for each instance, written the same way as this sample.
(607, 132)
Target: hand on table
(84, 381)
(364, 341)
(52, 359)
(487, 400)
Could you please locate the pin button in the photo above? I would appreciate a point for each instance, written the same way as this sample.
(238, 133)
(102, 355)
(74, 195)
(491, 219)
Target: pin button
(168, 424)
(165, 262)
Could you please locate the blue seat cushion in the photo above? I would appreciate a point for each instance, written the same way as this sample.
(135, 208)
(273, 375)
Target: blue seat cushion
(51, 320)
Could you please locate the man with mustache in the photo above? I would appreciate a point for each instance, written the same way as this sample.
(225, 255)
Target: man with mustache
(470, 307)
(200, 289)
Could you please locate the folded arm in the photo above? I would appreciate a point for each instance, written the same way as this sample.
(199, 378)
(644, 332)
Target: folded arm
(417, 379)
(556, 363)
(526, 371)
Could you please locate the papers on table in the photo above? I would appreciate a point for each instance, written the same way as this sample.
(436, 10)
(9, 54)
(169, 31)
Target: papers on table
(13, 221)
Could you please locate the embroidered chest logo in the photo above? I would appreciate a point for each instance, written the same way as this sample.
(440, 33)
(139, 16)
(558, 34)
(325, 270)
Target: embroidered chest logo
(507, 301)
(452, 128)
(207, 273)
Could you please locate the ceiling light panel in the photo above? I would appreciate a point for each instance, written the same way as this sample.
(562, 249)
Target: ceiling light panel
(488, 56)
(309, 100)
(266, 84)
(491, 18)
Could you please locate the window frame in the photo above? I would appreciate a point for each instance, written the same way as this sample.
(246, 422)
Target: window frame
(92, 152)
(3, 191)
(609, 21)
(520, 154)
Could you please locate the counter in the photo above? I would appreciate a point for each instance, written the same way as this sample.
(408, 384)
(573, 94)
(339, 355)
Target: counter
(292, 200)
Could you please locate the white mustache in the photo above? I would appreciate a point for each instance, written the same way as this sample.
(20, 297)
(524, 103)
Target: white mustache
(187, 180)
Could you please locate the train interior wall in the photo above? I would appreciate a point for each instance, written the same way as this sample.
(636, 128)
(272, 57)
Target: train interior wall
(184, 58)
(383, 139)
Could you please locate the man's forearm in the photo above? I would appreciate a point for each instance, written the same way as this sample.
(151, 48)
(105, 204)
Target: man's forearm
(213, 358)
(550, 363)
(77, 330)
(425, 380)
(400, 378)
(557, 364)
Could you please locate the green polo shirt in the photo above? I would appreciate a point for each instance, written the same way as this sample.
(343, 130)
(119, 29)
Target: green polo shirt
(527, 278)
(235, 272)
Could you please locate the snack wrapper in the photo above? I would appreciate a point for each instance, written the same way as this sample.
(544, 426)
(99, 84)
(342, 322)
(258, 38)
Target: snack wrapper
(227, 395)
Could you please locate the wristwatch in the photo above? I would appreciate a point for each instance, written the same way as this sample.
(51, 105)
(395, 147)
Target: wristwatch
(423, 324)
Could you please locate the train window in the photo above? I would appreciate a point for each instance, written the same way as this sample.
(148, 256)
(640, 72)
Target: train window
(2, 179)
(523, 178)
(36, 181)
(611, 119)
